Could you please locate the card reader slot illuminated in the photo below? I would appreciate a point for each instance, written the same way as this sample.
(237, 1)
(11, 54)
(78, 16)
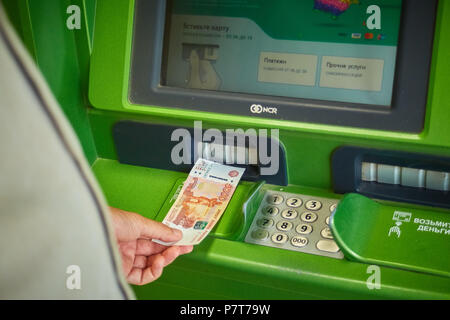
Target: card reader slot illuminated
(176, 148)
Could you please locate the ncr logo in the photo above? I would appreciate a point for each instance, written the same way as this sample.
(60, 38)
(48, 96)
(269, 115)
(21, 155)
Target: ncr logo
(257, 108)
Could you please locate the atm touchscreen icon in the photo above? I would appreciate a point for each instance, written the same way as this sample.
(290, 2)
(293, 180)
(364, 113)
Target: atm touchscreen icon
(402, 216)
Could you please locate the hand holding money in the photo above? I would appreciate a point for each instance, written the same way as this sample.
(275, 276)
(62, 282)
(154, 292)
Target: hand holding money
(202, 200)
(142, 259)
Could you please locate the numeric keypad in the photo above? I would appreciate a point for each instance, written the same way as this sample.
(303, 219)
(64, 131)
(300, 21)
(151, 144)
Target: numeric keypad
(295, 222)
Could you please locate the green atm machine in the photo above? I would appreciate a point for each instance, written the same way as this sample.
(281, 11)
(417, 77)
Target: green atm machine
(339, 110)
(343, 118)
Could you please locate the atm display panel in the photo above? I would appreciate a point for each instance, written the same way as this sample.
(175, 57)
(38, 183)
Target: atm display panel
(356, 64)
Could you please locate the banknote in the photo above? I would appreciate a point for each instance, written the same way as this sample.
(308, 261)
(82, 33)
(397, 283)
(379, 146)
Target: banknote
(202, 200)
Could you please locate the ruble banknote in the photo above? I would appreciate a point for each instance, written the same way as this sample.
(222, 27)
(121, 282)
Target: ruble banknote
(202, 200)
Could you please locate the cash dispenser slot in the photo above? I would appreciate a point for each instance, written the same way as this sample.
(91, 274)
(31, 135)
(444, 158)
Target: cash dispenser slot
(392, 175)
(177, 148)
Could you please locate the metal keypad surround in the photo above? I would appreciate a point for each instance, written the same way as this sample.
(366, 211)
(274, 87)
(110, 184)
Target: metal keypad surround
(304, 230)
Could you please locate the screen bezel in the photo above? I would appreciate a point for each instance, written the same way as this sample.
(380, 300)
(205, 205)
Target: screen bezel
(409, 98)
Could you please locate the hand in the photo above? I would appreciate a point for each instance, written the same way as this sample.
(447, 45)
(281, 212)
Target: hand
(142, 259)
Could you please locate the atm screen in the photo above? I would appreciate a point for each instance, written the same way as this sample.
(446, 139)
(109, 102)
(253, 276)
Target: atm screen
(355, 63)
(333, 50)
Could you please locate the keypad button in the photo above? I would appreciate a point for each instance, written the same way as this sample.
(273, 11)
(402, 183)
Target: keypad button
(333, 207)
(294, 202)
(264, 223)
(280, 238)
(275, 199)
(259, 234)
(304, 228)
(326, 233)
(270, 211)
(289, 214)
(327, 245)
(327, 220)
(284, 226)
(308, 216)
(313, 205)
(298, 241)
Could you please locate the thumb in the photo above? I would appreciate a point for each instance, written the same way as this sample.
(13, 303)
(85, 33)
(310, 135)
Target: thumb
(156, 230)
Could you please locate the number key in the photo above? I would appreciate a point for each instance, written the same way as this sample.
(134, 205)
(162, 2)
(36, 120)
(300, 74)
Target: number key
(326, 233)
(304, 228)
(294, 202)
(289, 214)
(284, 226)
(308, 216)
(299, 241)
(265, 223)
(270, 210)
(333, 207)
(275, 199)
(279, 238)
(313, 205)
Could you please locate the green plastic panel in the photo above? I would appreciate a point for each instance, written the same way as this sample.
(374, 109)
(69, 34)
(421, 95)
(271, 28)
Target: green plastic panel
(412, 239)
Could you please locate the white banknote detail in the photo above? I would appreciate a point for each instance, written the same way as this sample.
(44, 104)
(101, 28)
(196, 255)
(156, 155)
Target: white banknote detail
(202, 200)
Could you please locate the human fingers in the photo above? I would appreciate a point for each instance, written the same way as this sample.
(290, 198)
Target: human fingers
(151, 229)
(148, 269)
(172, 253)
(157, 262)
(140, 262)
(147, 247)
(169, 254)
(141, 276)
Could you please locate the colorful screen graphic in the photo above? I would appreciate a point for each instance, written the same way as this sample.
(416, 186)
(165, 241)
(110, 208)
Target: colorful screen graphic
(333, 50)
